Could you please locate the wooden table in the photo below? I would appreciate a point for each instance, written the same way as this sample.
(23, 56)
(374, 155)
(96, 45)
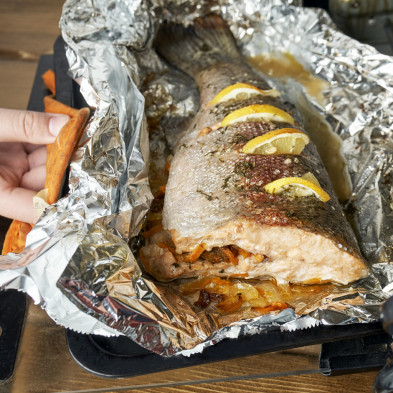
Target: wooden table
(28, 28)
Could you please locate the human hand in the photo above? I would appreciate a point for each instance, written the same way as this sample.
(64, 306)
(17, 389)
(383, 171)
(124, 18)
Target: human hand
(23, 136)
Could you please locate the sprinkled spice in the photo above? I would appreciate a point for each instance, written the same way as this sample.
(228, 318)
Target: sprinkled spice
(226, 180)
(208, 196)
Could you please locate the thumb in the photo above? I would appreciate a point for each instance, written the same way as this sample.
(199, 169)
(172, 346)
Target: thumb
(28, 126)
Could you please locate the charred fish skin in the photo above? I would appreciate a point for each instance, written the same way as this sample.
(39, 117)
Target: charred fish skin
(215, 194)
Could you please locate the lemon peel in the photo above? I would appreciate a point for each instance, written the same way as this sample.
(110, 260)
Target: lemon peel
(240, 91)
(306, 185)
(281, 141)
(257, 112)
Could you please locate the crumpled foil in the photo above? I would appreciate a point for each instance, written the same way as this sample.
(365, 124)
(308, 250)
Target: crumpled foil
(79, 262)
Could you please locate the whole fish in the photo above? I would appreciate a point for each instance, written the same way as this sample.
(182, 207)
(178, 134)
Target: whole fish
(234, 211)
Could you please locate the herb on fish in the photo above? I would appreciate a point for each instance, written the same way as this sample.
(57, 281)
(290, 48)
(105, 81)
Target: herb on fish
(214, 110)
(226, 180)
(289, 213)
(208, 197)
(211, 152)
(243, 168)
(238, 138)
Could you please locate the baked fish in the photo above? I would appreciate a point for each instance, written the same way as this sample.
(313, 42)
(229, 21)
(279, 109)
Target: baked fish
(247, 194)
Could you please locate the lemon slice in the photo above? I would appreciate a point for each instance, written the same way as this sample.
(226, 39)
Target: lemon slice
(306, 185)
(282, 141)
(257, 112)
(240, 91)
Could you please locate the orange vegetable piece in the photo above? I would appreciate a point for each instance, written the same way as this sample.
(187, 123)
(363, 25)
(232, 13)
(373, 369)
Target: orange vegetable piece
(243, 253)
(196, 253)
(230, 255)
(259, 258)
(49, 81)
(53, 106)
(168, 247)
(152, 231)
(15, 238)
(60, 152)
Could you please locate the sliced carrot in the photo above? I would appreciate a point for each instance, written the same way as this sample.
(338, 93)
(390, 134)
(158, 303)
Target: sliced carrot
(244, 253)
(15, 238)
(168, 247)
(152, 231)
(230, 255)
(60, 152)
(53, 106)
(49, 81)
(259, 257)
(195, 253)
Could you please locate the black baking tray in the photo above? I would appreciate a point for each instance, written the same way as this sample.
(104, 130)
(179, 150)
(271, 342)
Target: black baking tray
(12, 315)
(117, 357)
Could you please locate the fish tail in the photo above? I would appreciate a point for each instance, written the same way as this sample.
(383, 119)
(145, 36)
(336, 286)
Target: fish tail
(197, 47)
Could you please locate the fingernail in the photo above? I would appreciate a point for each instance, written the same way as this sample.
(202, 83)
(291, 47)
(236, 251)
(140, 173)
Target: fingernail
(56, 123)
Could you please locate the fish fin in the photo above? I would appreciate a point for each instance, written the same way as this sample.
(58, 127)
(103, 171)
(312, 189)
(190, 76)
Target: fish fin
(199, 46)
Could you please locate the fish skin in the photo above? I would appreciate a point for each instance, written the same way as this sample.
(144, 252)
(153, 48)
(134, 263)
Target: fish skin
(212, 186)
(217, 174)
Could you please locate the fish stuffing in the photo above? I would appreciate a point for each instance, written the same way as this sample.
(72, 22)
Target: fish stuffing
(222, 214)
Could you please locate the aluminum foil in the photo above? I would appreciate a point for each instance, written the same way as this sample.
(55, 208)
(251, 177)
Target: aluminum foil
(79, 262)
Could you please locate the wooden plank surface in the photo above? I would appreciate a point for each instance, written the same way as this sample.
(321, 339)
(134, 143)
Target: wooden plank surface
(29, 28)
